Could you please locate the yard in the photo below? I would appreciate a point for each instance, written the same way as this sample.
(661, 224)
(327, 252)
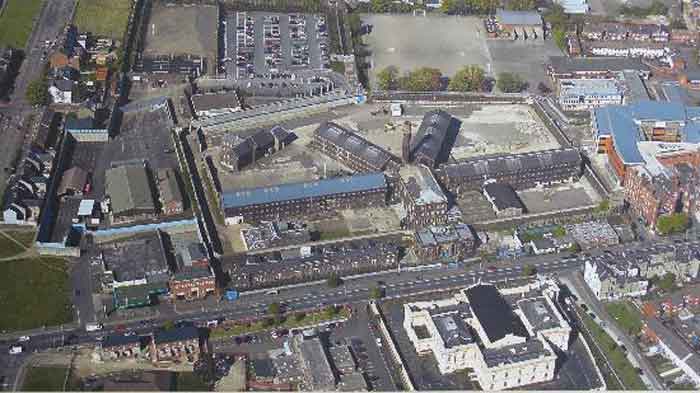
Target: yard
(24, 237)
(45, 379)
(16, 22)
(34, 292)
(106, 18)
(626, 316)
(623, 368)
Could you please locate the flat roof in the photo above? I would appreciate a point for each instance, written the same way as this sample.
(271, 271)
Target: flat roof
(215, 101)
(494, 313)
(539, 313)
(565, 64)
(294, 191)
(588, 87)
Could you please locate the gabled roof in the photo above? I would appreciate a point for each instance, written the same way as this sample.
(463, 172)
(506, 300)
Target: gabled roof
(494, 313)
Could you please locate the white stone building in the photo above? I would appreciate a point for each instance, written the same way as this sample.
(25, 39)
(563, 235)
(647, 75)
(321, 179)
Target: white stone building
(505, 344)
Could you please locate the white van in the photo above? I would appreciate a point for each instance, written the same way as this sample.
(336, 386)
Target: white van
(93, 327)
(272, 292)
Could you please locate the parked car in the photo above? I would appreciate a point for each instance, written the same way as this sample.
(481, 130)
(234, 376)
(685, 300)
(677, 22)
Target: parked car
(23, 339)
(16, 349)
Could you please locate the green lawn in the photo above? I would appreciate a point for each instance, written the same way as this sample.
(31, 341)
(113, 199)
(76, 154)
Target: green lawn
(45, 379)
(8, 248)
(618, 360)
(190, 382)
(16, 22)
(106, 18)
(626, 315)
(34, 292)
(24, 237)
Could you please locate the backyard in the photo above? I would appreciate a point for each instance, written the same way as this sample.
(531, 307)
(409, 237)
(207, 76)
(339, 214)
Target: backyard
(107, 18)
(16, 22)
(34, 292)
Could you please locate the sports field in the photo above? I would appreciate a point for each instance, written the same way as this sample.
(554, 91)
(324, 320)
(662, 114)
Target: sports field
(107, 18)
(16, 21)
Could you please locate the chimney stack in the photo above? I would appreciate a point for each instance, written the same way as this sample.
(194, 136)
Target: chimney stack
(406, 143)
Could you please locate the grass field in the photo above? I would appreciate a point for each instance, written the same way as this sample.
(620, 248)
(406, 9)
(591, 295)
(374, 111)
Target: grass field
(45, 379)
(16, 22)
(618, 360)
(33, 293)
(8, 248)
(626, 316)
(103, 17)
(24, 237)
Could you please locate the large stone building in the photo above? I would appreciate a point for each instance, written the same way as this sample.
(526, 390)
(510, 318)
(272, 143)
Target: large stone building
(423, 200)
(307, 198)
(352, 150)
(505, 343)
(239, 153)
(176, 345)
(520, 25)
(522, 171)
(452, 241)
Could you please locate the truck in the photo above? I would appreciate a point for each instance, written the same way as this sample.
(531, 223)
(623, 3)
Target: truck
(93, 327)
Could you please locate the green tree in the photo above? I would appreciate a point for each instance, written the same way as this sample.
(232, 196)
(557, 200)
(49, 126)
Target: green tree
(667, 282)
(168, 325)
(672, 223)
(267, 322)
(334, 281)
(329, 312)
(469, 78)
(521, 5)
(38, 92)
(559, 36)
(274, 308)
(298, 317)
(559, 231)
(508, 82)
(529, 270)
(388, 78)
(380, 6)
(422, 79)
(375, 293)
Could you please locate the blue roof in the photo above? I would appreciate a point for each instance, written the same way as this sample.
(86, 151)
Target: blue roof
(292, 191)
(620, 122)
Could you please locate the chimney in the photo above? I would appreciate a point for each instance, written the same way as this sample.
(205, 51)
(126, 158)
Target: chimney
(406, 143)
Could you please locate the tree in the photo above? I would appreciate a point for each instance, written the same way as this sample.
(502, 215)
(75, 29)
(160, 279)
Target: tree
(38, 92)
(334, 281)
(508, 82)
(667, 282)
(543, 88)
(375, 293)
(379, 6)
(529, 270)
(672, 223)
(168, 325)
(298, 317)
(267, 322)
(329, 312)
(469, 78)
(274, 308)
(521, 5)
(559, 36)
(422, 79)
(559, 231)
(388, 78)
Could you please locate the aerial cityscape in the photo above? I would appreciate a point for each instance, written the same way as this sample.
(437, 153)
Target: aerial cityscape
(349, 195)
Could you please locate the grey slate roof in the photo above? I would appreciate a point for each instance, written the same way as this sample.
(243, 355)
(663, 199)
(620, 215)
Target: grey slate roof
(494, 313)
(564, 64)
(354, 143)
(220, 101)
(294, 191)
(129, 188)
(430, 138)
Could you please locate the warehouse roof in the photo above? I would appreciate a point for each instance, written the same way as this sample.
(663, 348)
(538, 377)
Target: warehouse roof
(494, 313)
(520, 18)
(183, 333)
(293, 191)
(216, 101)
(128, 188)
